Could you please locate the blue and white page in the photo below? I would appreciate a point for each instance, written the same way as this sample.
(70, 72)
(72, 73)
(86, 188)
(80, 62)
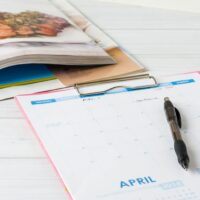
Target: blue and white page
(119, 146)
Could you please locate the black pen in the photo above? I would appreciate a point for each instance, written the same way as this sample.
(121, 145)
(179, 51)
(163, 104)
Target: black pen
(174, 120)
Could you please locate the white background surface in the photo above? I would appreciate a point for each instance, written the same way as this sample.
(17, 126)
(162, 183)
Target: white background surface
(163, 41)
(183, 5)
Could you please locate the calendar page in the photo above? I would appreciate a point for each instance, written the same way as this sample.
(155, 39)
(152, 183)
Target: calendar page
(119, 146)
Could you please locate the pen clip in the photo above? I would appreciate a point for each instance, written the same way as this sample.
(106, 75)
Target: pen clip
(178, 117)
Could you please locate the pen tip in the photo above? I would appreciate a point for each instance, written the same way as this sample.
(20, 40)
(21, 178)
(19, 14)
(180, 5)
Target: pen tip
(185, 165)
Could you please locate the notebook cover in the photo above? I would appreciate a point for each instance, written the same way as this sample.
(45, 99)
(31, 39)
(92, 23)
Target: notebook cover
(24, 74)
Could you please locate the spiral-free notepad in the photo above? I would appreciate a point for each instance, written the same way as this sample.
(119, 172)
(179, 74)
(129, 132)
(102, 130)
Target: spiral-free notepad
(118, 145)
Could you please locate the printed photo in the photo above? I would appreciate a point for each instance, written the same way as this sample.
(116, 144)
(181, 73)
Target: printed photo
(30, 24)
(37, 21)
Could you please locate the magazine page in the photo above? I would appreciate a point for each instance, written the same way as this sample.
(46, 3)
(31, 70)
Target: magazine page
(36, 21)
(83, 23)
(39, 32)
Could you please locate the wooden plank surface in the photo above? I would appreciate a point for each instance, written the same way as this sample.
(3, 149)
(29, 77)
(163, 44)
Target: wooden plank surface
(163, 41)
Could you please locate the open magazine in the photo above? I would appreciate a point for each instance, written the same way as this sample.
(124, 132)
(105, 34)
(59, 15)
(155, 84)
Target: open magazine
(39, 32)
(70, 75)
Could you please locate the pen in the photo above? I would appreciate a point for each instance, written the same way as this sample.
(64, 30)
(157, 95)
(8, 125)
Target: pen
(174, 120)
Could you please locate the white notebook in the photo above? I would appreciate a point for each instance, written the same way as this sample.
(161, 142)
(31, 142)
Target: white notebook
(119, 146)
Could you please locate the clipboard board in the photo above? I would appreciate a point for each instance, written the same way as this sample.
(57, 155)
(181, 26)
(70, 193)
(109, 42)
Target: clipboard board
(103, 132)
(118, 84)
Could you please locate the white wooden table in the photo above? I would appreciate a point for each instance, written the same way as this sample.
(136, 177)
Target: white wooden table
(163, 41)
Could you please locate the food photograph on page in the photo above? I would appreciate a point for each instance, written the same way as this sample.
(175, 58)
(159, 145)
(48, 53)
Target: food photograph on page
(40, 31)
(38, 21)
(35, 26)
(30, 24)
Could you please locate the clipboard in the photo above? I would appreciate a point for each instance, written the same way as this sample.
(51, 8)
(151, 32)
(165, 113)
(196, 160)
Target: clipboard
(118, 84)
(112, 126)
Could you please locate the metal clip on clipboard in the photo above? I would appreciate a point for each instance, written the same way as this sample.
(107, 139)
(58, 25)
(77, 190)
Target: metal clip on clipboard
(115, 83)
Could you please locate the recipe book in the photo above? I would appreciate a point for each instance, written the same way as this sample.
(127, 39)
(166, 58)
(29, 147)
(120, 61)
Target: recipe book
(39, 32)
(119, 145)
